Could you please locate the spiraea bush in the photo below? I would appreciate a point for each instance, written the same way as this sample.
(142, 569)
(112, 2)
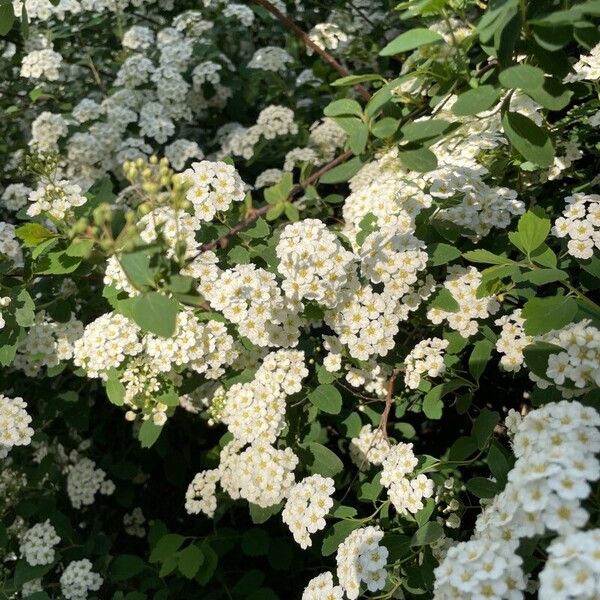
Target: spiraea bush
(299, 299)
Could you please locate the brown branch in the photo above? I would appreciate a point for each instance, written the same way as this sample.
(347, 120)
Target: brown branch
(258, 212)
(388, 403)
(303, 36)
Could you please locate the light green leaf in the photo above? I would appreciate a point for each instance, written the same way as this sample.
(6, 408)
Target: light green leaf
(523, 77)
(480, 356)
(441, 254)
(486, 257)
(33, 234)
(533, 228)
(325, 462)
(336, 535)
(343, 107)
(409, 40)
(115, 390)
(385, 127)
(149, 433)
(421, 160)
(423, 130)
(544, 314)
(156, 313)
(354, 79)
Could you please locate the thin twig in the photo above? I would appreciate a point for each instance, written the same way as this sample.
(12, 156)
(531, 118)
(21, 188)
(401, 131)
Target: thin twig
(388, 403)
(303, 36)
(258, 212)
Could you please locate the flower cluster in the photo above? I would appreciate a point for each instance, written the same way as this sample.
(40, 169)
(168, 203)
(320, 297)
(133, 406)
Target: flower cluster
(405, 494)
(255, 411)
(37, 544)
(306, 506)
(9, 246)
(321, 588)
(571, 571)
(580, 223)
(84, 481)
(587, 67)
(14, 424)
(512, 340)
(426, 357)
(313, 262)
(270, 58)
(78, 579)
(360, 559)
(462, 283)
(42, 64)
(57, 199)
(369, 448)
(134, 523)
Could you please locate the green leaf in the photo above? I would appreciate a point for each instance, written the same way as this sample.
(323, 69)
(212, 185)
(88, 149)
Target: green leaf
(482, 487)
(7, 16)
(57, 263)
(342, 172)
(484, 426)
(475, 101)
(25, 572)
(149, 433)
(427, 534)
(498, 465)
(209, 566)
(378, 100)
(259, 515)
(545, 276)
(553, 95)
(189, 561)
(166, 546)
(421, 160)
(343, 107)
(156, 313)
(445, 301)
(537, 355)
(424, 130)
(115, 390)
(486, 257)
(432, 403)
(260, 230)
(140, 267)
(441, 254)
(336, 535)
(325, 462)
(126, 566)
(354, 79)
(409, 40)
(385, 127)
(255, 542)
(25, 309)
(291, 212)
(523, 77)
(533, 228)
(33, 234)
(480, 356)
(530, 140)
(462, 448)
(326, 398)
(544, 314)
(357, 140)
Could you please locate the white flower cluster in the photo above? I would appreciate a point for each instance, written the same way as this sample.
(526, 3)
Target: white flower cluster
(42, 64)
(360, 559)
(46, 130)
(462, 283)
(9, 246)
(213, 187)
(480, 568)
(274, 121)
(580, 223)
(84, 481)
(321, 588)
(369, 448)
(250, 297)
(405, 494)
(512, 340)
(78, 579)
(307, 504)
(255, 411)
(47, 343)
(587, 67)
(4, 302)
(14, 424)
(37, 544)
(260, 474)
(327, 36)
(555, 447)
(15, 197)
(326, 137)
(577, 367)
(270, 58)
(426, 357)
(571, 571)
(134, 523)
(58, 199)
(313, 262)
(182, 150)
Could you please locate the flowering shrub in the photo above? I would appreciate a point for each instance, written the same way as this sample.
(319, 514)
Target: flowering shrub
(299, 301)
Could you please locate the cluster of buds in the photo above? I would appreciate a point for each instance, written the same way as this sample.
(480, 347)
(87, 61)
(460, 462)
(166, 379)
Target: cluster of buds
(44, 165)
